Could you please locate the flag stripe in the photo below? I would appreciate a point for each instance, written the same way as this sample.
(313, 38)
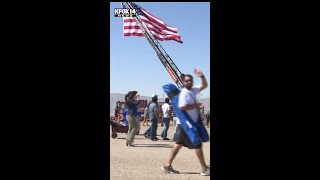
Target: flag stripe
(150, 27)
(158, 21)
(129, 22)
(144, 19)
(153, 32)
(157, 27)
(133, 34)
(153, 18)
(160, 39)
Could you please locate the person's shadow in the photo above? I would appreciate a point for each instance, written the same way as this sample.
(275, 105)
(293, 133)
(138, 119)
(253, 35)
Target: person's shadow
(126, 138)
(189, 173)
(154, 145)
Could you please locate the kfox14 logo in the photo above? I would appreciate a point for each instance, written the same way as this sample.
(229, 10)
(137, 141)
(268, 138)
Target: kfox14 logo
(124, 12)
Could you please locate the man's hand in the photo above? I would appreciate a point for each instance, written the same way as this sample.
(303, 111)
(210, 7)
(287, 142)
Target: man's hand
(204, 83)
(197, 105)
(198, 72)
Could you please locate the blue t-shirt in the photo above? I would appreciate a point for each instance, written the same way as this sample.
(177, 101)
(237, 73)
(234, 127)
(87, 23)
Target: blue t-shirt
(152, 108)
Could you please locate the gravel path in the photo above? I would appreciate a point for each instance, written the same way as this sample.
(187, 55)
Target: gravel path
(145, 159)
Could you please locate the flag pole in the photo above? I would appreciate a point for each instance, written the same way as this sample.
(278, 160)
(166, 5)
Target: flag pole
(165, 59)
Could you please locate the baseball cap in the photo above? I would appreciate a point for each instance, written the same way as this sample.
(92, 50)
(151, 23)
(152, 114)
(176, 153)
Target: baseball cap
(154, 95)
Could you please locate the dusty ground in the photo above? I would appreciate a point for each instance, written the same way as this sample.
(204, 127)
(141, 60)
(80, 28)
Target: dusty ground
(145, 159)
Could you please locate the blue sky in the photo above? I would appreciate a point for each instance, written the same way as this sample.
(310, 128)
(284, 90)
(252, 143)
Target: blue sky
(134, 64)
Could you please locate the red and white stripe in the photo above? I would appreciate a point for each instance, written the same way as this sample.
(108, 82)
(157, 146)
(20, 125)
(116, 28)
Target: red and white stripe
(158, 28)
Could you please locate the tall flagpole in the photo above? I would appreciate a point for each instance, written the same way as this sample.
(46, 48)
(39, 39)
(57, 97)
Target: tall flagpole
(165, 59)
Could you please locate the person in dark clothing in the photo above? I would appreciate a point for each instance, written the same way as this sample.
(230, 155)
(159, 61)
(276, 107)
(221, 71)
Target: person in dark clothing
(132, 102)
(208, 118)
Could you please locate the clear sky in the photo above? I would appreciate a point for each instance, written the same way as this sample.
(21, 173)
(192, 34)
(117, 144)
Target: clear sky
(134, 64)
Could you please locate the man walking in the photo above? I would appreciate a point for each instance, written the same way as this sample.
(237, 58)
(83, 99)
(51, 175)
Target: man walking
(153, 116)
(188, 103)
(208, 119)
(166, 118)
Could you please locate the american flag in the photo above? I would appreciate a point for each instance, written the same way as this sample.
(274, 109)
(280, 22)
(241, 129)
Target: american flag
(158, 28)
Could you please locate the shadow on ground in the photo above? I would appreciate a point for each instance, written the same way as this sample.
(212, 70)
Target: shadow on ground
(154, 145)
(189, 173)
(134, 138)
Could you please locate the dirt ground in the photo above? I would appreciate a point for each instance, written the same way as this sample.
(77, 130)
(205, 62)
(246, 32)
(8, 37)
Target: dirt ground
(145, 159)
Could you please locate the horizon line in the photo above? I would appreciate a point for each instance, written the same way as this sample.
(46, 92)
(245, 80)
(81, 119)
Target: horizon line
(150, 96)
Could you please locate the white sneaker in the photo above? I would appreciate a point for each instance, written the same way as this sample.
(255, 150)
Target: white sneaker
(169, 170)
(206, 172)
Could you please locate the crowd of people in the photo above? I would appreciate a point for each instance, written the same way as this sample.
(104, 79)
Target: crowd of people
(153, 113)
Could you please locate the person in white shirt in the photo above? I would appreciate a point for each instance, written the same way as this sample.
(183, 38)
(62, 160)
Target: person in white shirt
(188, 103)
(166, 118)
